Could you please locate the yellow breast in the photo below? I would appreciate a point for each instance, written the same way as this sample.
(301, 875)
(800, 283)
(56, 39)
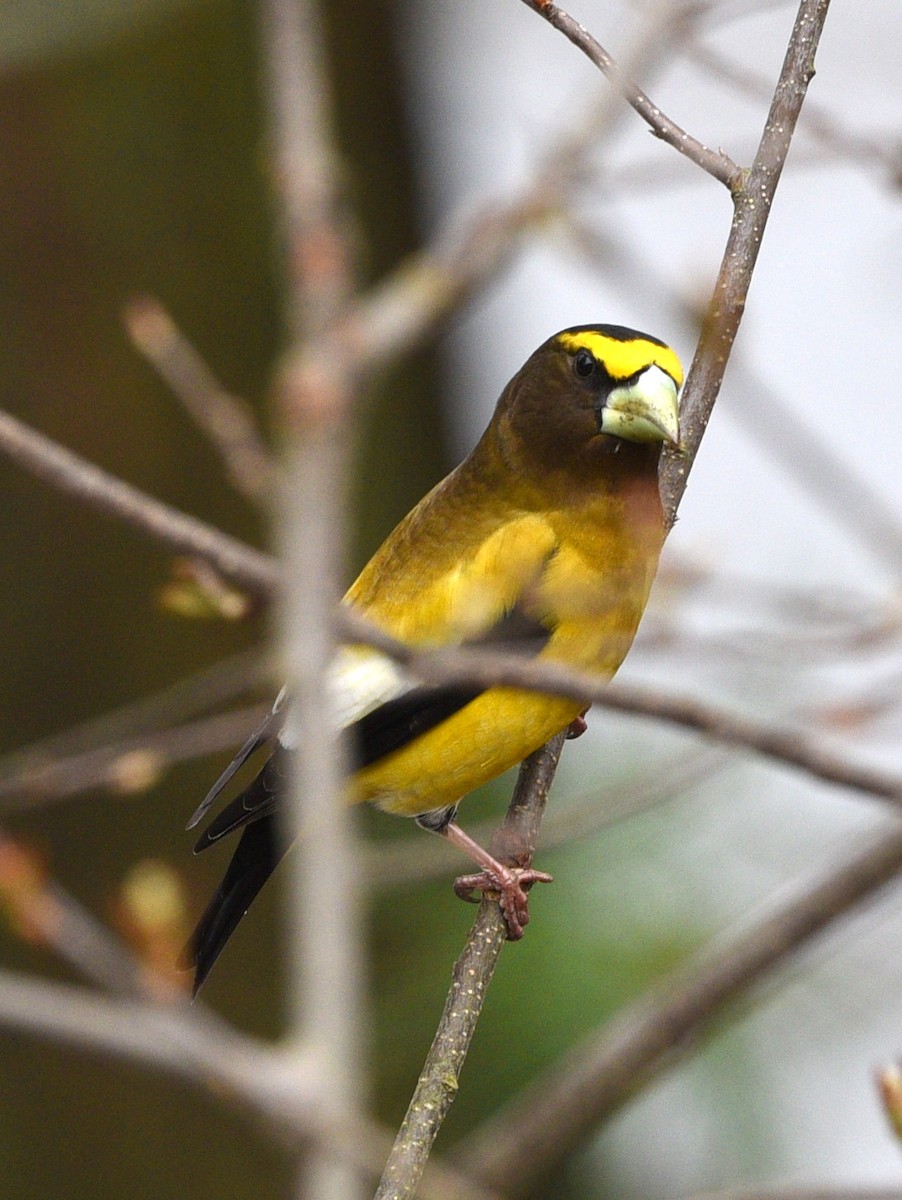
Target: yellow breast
(590, 589)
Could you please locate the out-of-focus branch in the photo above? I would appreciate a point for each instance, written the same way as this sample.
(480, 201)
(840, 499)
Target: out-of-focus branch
(438, 1082)
(225, 419)
(46, 914)
(190, 1045)
(848, 1192)
(178, 701)
(819, 123)
(179, 1042)
(407, 860)
(131, 765)
(752, 201)
(314, 395)
(543, 1126)
(78, 477)
(715, 162)
(489, 668)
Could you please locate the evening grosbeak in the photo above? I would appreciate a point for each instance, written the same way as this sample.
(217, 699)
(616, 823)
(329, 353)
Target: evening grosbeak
(544, 540)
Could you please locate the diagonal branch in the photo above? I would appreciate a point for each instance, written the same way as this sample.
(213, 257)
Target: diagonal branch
(489, 668)
(555, 1114)
(751, 207)
(131, 764)
(528, 1156)
(78, 477)
(438, 1082)
(191, 1045)
(717, 163)
(227, 420)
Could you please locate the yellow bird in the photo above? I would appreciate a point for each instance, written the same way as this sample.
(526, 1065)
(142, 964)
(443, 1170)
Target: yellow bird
(546, 540)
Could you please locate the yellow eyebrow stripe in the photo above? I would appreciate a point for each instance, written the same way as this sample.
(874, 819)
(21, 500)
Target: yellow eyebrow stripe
(623, 359)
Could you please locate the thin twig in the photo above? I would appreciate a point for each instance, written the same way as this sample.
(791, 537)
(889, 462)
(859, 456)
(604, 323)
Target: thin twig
(715, 162)
(178, 701)
(542, 1127)
(752, 202)
(44, 912)
(491, 668)
(190, 1044)
(226, 419)
(438, 1082)
(406, 860)
(131, 765)
(820, 124)
(78, 477)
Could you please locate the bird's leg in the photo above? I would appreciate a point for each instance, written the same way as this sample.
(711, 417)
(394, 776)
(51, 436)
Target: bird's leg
(511, 883)
(578, 726)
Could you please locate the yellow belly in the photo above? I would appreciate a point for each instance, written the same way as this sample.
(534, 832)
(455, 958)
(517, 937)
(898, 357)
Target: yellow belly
(494, 732)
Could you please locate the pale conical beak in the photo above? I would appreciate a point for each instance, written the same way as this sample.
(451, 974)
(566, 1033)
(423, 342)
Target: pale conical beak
(645, 411)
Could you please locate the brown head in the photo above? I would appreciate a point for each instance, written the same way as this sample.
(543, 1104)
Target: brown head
(592, 402)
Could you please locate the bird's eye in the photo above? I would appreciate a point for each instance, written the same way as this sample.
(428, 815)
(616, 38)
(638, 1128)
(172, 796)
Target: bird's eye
(584, 364)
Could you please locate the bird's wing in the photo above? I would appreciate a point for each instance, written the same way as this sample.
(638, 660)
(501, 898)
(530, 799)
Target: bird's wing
(378, 704)
(399, 720)
(258, 799)
(267, 730)
(393, 712)
(442, 586)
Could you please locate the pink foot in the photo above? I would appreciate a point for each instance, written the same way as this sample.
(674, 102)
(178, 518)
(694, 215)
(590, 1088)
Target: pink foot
(577, 726)
(511, 885)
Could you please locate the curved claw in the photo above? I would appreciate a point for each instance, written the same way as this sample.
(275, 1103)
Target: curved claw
(577, 726)
(511, 886)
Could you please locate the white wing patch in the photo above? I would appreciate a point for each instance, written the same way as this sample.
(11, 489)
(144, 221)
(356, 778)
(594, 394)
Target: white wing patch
(359, 680)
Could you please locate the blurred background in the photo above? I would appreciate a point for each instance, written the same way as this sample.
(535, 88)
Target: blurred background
(135, 163)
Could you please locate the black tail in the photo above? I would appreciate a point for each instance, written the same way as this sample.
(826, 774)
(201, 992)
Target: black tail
(389, 728)
(255, 859)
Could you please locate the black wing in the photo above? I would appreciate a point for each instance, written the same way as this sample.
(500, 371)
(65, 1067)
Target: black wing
(264, 733)
(389, 728)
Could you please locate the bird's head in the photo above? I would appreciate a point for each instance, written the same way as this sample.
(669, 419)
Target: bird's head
(590, 391)
(632, 379)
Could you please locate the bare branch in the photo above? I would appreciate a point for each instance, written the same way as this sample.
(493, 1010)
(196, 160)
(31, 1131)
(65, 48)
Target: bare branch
(490, 668)
(47, 915)
(715, 162)
(196, 693)
(315, 393)
(403, 860)
(131, 765)
(77, 477)
(226, 419)
(558, 1110)
(189, 1044)
(179, 1041)
(848, 1192)
(819, 123)
(438, 1082)
(752, 202)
